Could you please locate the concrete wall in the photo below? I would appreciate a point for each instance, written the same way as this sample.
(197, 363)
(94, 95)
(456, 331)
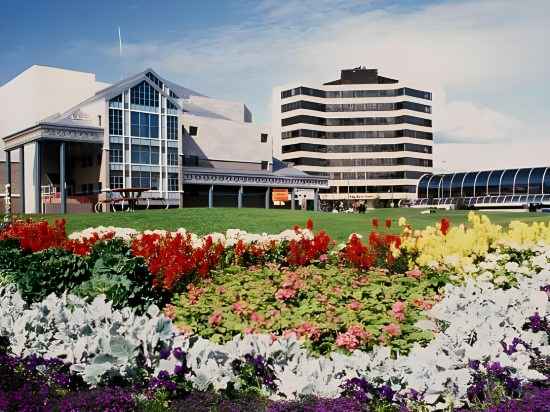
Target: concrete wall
(40, 92)
(219, 139)
(236, 111)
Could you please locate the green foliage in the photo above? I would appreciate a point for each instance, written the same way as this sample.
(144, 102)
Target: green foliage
(10, 255)
(324, 300)
(50, 271)
(123, 278)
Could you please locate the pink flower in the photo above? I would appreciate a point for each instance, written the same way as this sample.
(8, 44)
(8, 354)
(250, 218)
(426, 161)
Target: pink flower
(285, 294)
(215, 319)
(248, 330)
(257, 318)
(274, 313)
(239, 307)
(415, 273)
(289, 333)
(323, 258)
(398, 310)
(347, 340)
(309, 330)
(220, 290)
(337, 290)
(392, 329)
(359, 332)
(355, 305)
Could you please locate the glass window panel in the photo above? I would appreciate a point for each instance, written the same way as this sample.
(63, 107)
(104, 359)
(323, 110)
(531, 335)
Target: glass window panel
(445, 187)
(507, 182)
(433, 186)
(494, 182)
(538, 198)
(515, 199)
(456, 184)
(481, 183)
(535, 180)
(155, 155)
(134, 124)
(153, 126)
(521, 183)
(468, 184)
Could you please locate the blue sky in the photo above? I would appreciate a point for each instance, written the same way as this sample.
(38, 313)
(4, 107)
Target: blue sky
(485, 61)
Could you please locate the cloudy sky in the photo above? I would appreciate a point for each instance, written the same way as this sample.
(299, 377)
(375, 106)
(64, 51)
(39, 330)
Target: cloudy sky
(487, 62)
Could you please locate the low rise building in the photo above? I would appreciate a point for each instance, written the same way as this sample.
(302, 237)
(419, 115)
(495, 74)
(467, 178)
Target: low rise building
(72, 143)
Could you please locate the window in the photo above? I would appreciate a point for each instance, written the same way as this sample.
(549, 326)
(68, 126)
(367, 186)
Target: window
(172, 156)
(193, 130)
(155, 80)
(144, 125)
(264, 165)
(115, 122)
(172, 127)
(116, 179)
(173, 182)
(115, 153)
(263, 138)
(142, 154)
(141, 179)
(144, 95)
(99, 120)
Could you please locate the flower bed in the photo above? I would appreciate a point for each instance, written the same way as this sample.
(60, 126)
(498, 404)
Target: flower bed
(447, 317)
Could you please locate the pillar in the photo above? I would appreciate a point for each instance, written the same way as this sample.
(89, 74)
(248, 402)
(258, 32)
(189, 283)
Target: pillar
(211, 196)
(267, 197)
(240, 198)
(316, 200)
(38, 178)
(62, 178)
(22, 179)
(8, 169)
(292, 197)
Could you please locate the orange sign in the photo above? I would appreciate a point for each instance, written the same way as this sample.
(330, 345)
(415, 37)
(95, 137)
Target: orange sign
(279, 195)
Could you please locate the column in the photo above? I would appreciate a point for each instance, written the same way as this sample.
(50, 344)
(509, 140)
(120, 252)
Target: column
(8, 169)
(180, 178)
(316, 200)
(9, 190)
(240, 198)
(22, 179)
(62, 178)
(38, 178)
(267, 197)
(211, 197)
(292, 197)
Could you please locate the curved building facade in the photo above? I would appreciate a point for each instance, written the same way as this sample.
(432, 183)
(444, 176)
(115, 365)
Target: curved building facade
(486, 188)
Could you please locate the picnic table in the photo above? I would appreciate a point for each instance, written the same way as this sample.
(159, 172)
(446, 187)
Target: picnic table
(130, 195)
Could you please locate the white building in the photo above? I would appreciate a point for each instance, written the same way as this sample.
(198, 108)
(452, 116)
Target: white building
(371, 136)
(73, 142)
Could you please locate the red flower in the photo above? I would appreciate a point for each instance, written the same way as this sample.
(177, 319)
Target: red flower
(309, 224)
(388, 223)
(375, 223)
(445, 225)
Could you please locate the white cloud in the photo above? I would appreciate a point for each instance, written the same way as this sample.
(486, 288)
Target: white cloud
(473, 55)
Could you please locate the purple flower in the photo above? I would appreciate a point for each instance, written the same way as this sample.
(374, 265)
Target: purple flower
(164, 353)
(386, 392)
(473, 364)
(178, 353)
(163, 375)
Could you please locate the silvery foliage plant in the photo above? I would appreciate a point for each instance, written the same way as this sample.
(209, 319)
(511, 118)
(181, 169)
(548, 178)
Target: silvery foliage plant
(95, 339)
(470, 323)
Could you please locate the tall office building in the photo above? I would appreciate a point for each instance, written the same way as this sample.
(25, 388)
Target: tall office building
(370, 135)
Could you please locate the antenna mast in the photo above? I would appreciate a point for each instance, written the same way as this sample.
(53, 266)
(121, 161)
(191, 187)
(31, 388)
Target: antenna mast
(120, 51)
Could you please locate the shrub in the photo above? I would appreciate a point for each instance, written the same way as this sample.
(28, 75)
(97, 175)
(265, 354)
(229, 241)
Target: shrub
(50, 271)
(121, 277)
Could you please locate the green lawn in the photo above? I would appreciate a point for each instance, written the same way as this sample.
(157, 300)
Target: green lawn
(339, 226)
